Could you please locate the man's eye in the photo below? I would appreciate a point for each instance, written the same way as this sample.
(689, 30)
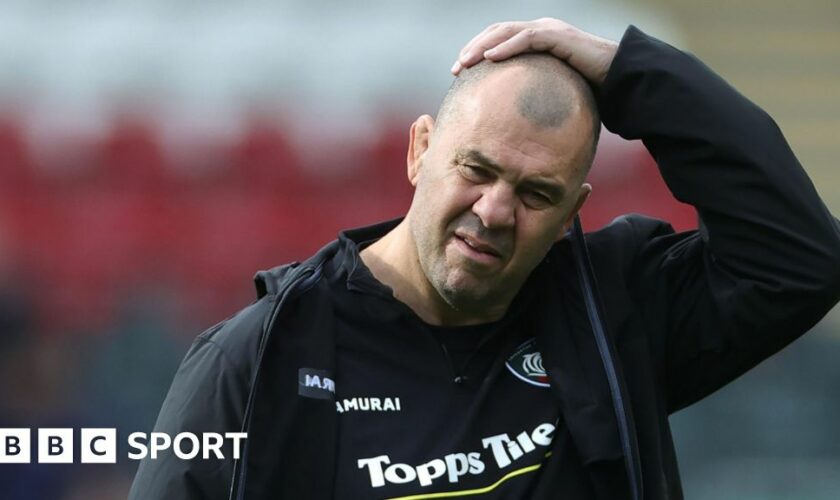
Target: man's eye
(475, 173)
(535, 199)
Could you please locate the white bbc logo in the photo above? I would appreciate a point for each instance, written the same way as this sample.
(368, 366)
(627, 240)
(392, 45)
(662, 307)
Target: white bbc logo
(99, 446)
(55, 446)
(14, 446)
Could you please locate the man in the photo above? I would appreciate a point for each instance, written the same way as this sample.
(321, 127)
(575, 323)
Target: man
(481, 346)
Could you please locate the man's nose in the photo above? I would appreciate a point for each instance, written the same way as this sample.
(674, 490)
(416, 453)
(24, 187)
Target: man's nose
(497, 206)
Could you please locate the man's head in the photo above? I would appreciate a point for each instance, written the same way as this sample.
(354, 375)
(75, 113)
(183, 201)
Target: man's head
(499, 176)
(547, 99)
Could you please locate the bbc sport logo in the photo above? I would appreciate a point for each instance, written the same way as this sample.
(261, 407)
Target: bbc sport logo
(99, 445)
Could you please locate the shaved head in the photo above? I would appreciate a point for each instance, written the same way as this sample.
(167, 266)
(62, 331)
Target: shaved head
(551, 92)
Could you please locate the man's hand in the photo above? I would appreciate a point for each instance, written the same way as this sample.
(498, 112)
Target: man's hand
(590, 55)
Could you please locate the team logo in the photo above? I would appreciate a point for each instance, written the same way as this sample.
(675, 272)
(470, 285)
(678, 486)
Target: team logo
(527, 365)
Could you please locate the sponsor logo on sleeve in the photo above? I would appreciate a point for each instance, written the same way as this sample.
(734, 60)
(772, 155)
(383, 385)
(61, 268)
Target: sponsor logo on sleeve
(317, 384)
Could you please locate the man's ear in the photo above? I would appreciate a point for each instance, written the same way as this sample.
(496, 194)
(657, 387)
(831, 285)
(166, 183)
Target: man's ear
(418, 143)
(583, 194)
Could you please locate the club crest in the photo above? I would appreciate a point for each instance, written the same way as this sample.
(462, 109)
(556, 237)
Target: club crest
(527, 365)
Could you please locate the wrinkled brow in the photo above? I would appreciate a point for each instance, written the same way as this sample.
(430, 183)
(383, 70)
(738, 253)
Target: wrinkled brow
(553, 189)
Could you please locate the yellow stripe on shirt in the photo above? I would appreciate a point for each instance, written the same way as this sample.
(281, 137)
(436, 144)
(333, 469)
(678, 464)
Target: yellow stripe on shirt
(477, 491)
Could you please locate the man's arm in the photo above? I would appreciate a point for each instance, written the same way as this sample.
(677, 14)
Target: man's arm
(196, 404)
(765, 266)
(208, 394)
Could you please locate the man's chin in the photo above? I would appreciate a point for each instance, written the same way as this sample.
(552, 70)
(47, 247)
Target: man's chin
(467, 292)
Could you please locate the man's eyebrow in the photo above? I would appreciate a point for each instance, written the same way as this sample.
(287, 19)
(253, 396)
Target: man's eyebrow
(476, 157)
(554, 190)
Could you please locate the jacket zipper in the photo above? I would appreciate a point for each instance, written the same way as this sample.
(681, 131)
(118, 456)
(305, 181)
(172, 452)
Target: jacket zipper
(587, 277)
(303, 282)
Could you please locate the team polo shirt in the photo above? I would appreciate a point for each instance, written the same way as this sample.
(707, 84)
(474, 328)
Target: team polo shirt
(427, 411)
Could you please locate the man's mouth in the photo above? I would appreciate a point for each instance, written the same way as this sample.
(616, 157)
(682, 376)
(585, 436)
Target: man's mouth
(476, 246)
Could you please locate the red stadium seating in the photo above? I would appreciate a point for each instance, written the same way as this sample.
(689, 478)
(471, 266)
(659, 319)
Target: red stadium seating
(126, 220)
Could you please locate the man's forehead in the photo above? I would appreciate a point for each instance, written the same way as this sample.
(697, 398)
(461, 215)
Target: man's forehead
(535, 87)
(492, 108)
(490, 124)
(506, 139)
(511, 100)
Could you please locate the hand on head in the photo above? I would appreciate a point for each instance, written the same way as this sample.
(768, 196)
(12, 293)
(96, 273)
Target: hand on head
(590, 55)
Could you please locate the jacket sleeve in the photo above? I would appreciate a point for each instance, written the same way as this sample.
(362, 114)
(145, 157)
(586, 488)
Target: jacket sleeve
(208, 394)
(764, 266)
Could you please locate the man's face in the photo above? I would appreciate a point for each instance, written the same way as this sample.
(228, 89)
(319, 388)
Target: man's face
(493, 192)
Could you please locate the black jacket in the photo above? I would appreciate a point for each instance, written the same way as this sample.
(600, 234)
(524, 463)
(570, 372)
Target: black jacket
(659, 319)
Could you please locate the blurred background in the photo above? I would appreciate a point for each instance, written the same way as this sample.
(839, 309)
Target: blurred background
(155, 154)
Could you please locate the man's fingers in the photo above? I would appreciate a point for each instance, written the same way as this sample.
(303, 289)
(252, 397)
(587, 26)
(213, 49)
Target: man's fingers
(527, 40)
(476, 37)
(474, 51)
(588, 54)
(456, 68)
(487, 39)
